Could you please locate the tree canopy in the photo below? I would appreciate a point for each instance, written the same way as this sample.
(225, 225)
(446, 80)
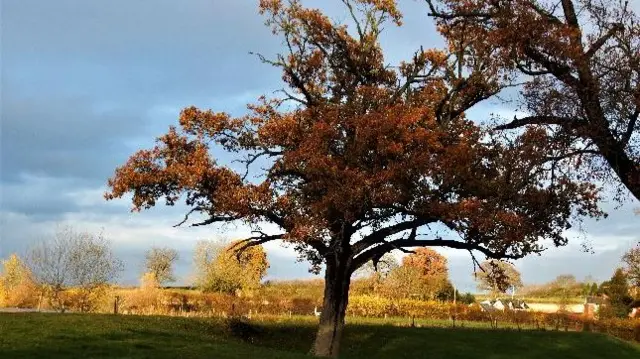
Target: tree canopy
(577, 64)
(361, 158)
(367, 147)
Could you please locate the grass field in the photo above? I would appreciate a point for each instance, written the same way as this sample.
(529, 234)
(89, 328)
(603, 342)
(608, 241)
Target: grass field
(37, 335)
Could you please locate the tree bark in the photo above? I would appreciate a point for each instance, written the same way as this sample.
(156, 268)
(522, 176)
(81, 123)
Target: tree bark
(336, 297)
(627, 170)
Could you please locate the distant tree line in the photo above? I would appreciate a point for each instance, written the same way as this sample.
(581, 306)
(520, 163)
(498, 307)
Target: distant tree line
(80, 267)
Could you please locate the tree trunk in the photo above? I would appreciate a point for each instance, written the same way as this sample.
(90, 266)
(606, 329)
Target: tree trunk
(336, 297)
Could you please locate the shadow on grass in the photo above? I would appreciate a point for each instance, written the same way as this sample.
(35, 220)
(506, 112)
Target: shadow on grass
(386, 341)
(106, 336)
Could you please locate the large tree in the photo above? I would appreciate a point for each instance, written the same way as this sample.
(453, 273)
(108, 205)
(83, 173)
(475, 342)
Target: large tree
(357, 158)
(71, 258)
(579, 64)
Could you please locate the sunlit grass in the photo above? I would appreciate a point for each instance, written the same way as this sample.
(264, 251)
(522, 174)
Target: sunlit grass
(37, 335)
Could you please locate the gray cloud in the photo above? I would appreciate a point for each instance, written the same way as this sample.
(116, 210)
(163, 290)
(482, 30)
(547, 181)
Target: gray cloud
(62, 137)
(127, 51)
(86, 83)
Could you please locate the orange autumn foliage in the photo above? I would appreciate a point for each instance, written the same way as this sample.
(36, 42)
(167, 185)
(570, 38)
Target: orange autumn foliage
(577, 64)
(429, 262)
(356, 157)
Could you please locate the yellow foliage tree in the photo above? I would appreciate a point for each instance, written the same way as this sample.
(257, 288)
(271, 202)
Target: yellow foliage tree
(16, 285)
(231, 271)
(149, 281)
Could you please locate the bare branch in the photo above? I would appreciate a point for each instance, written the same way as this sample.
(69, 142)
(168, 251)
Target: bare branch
(601, 41)
(186, 216)
(559, 70)
(441, 15)
(544, 13)
(291, 97)
(251, 158)
(214, 219)
(349, 6)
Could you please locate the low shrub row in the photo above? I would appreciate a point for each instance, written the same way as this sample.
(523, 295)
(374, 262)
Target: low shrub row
(156, 301)
(627, 329)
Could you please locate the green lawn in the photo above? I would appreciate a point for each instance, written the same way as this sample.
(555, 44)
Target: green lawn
(36, 335)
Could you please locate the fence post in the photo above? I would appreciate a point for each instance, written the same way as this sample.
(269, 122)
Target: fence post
(115, 304)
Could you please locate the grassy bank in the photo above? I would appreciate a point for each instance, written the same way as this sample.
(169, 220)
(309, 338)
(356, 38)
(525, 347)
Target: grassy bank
(32, 335)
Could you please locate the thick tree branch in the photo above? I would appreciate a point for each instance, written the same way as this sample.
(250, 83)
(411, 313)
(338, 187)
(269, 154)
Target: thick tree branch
(380, 235)
(215, 219)
(480, 93)
(297, 82)
(378, 251)
(570, 13)
(528, 71)
(247, 243)
(559, 70)
(597, 45)
(566, 122)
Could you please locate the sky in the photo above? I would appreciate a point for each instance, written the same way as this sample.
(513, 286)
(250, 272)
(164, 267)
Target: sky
(84, 84)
